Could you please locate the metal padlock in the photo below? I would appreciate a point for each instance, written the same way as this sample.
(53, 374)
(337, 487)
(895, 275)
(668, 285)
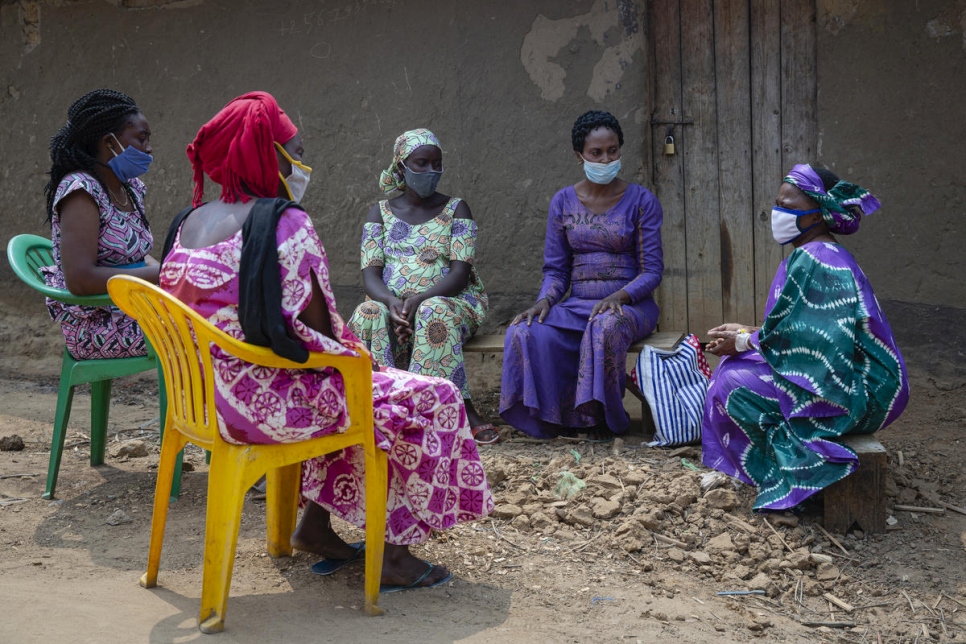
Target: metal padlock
(669, 145)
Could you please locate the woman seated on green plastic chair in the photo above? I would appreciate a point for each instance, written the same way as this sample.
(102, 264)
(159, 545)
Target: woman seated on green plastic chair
(95, 206)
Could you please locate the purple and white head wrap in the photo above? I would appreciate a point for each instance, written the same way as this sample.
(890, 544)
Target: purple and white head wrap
(842, 205)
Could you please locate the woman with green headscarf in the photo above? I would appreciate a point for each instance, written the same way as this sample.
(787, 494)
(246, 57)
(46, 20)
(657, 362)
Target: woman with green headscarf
(424, 298)
(823, 364)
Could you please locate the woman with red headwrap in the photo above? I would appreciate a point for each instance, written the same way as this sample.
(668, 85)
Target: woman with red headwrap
(251, 262)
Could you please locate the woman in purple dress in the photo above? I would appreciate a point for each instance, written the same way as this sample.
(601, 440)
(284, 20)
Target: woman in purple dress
(603, 244)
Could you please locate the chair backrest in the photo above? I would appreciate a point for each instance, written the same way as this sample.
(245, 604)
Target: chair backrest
(183, 341)
(28, 254)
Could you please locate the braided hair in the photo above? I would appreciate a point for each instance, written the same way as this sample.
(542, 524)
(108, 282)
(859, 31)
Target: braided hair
(590, 121)
(74, 147)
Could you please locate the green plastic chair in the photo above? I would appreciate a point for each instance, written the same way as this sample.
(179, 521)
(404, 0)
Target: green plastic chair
(27, 254)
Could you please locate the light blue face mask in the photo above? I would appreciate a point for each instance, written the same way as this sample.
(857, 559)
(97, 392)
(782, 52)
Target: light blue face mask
(130, 163)
(602, 173)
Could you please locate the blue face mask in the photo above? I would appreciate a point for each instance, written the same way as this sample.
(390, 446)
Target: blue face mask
(784, 224)
(130, 163)
(602, 173)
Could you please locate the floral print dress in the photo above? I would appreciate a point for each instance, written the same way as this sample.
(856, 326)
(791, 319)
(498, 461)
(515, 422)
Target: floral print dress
(413, 259)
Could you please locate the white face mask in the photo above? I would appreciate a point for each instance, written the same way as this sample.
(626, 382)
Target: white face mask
(784, 224)
(297, 182)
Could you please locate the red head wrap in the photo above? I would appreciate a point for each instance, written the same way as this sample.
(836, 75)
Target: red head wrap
(237, 147)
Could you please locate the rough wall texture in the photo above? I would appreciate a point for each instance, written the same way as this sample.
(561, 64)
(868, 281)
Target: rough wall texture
(500, 83)
(892, 83)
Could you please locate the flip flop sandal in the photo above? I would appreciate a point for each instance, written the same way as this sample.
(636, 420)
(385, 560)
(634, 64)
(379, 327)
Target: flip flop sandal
(479, 429)
(328, 566)
(418, 583)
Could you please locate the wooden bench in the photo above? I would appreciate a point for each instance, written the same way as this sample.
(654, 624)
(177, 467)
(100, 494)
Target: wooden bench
(665, 340)
(860, 496)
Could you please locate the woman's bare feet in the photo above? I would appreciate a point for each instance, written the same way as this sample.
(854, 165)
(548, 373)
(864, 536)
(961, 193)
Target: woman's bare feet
(484, 436)
(314, 534)
(401, 568)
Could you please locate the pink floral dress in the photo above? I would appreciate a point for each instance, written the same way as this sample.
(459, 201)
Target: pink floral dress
(435, 476)
(124, 239)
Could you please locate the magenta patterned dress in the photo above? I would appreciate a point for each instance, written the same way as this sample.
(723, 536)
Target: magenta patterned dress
(95, 332)
(435, 476)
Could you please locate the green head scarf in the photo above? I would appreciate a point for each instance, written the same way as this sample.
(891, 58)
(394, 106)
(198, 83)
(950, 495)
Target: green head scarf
(391, 179)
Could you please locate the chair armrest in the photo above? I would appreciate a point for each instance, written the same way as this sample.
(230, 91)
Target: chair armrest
(138, 298)
(26, 253)
(265, 357)
(65, 296)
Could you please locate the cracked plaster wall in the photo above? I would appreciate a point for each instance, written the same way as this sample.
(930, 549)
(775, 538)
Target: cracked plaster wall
(499, 83)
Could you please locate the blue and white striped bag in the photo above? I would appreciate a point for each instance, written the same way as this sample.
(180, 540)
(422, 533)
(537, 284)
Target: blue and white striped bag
(675, 384)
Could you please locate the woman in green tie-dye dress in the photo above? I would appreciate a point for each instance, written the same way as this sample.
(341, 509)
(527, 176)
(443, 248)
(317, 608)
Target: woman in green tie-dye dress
(424, 298)
(823, 364)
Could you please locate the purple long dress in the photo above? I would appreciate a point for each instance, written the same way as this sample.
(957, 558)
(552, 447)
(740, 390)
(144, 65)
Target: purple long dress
(569, 371)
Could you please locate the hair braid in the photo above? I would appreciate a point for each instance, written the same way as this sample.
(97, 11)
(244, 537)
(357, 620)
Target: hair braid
(74, 147)
(590, 121)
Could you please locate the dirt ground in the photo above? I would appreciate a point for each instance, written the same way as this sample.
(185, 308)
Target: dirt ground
(637, 556)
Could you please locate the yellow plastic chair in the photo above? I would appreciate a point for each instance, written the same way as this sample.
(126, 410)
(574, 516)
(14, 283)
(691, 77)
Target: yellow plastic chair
(27, 255)
(184, 340)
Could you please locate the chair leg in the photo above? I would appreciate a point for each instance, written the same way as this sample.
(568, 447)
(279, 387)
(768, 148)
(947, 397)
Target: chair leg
(100, 409)
(171, 447)
(65, 397)
(163, 416)
(226, 494)
(281, 508)
(377, 486)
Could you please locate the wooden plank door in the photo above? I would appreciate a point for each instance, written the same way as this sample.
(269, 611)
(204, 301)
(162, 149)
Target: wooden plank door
(734, 83)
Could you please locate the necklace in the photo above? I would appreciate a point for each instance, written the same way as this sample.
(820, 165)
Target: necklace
(122, 203)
